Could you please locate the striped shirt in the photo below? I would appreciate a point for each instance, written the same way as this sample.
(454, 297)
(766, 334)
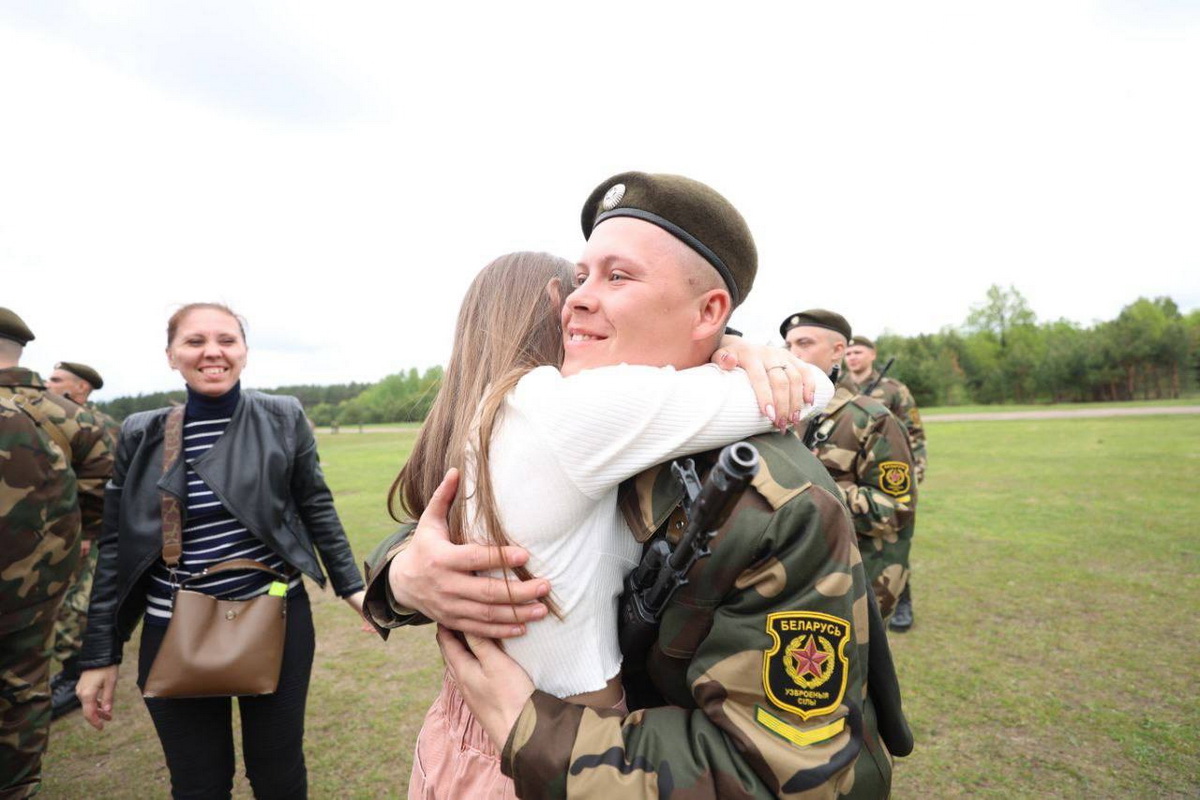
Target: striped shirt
(210, 533)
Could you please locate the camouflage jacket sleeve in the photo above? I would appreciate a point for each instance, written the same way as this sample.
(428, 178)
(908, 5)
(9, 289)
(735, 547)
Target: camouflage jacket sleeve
(92, 452)
(869, 457)
(904, 407)
(763, 654)
(379, 606)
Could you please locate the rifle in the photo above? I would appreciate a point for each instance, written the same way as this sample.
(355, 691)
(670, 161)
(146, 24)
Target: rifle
(878, 378)
(664, 569)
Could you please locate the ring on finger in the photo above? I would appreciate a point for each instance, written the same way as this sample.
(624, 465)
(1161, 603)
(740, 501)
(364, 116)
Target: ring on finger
(778, 366)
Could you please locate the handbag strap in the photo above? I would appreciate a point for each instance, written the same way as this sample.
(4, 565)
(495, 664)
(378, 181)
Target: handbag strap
(172, 517)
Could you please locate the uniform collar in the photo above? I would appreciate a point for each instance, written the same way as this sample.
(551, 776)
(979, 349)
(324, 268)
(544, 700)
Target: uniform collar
(847, 380)
(647, 499)
(842, 395)
(20, 376)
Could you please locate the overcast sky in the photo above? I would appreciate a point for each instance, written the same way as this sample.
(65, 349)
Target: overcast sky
(338, 172)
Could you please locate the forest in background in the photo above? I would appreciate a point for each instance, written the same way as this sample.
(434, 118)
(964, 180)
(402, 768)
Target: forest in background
(1001, 354)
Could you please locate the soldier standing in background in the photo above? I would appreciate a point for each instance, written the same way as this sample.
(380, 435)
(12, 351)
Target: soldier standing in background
(54, 460)
(866, 451)
(895, 396)
(861, 374)
(75, 382)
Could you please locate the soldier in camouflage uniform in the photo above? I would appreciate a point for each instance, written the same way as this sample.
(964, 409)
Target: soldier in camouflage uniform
(761, 662)
(866, 451)
(43, 507)
(861, 373)
(39, 532)
(76, 382)
(895, 396)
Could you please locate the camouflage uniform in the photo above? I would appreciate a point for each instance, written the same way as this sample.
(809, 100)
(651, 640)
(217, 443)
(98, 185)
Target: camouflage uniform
(39, 547)
(44, 573)
(897, 399)
(110, 425)
(91, 448)
(866, 451)
(760, 667)
(72, 617)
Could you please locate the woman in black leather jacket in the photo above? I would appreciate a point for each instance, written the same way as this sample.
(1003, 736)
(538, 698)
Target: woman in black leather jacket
(250, 485)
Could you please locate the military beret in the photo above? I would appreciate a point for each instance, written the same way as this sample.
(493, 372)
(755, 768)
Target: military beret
(13, 327)
(688, 210)
(818, 318)
(82, 371)
(859, 339)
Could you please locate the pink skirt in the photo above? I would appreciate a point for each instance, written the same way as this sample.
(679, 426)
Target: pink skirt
(454, 757)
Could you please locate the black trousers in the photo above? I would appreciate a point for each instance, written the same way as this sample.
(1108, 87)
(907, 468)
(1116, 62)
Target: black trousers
(197, 733)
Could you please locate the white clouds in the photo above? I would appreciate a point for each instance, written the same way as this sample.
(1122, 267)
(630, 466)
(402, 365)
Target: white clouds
(339, 174)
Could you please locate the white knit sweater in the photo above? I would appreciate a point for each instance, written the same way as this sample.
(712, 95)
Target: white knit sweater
(558, 453)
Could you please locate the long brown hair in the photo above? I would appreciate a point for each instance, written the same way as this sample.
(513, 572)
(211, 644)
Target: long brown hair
(508, 325)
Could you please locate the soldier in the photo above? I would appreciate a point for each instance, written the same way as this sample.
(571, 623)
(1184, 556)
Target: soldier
(66, 466)
(75, 382)
(860, 359)
(866, 451)
(761, 661)
(895, 396)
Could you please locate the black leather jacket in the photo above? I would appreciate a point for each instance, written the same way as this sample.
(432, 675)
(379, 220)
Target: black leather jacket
(265, 471)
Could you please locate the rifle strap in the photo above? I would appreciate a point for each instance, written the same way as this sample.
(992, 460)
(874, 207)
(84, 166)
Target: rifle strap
(33, 408)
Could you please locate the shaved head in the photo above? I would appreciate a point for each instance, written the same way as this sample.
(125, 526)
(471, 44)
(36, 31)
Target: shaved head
(10, 353)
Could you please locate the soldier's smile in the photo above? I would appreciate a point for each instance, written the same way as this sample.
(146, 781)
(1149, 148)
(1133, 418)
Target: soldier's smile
(632, 301)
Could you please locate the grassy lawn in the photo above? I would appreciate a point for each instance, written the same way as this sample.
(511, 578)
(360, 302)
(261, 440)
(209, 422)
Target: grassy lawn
(933, 411)
(1055, 651)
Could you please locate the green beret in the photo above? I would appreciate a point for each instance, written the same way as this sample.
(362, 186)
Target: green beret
(82, 371)
(817, 318)
(688, 210)
(859, 339)
(13, 327)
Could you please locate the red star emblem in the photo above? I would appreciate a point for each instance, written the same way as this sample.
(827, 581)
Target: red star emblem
(809, 660)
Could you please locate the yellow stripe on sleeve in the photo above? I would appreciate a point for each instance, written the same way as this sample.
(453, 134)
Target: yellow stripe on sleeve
(794, 735)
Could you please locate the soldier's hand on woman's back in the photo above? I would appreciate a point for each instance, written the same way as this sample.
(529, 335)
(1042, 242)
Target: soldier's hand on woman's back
(493, 684)
(437, 577)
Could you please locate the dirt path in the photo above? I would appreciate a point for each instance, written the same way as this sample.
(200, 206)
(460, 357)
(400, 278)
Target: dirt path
(988, 416)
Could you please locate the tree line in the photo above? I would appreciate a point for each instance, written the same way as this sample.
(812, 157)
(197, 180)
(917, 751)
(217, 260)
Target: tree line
(403, 397)
(1001, 354)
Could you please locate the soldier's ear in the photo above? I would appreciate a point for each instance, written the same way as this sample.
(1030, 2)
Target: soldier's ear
(715, 307)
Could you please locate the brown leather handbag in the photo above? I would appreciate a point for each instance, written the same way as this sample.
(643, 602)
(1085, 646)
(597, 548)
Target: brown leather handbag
(214, 647)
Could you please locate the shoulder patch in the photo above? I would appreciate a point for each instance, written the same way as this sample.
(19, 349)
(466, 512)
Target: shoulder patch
(806, 669)
(895, 477)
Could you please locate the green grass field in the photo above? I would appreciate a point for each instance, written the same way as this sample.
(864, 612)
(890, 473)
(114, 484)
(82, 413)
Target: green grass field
(1055, 652)
(933, 411)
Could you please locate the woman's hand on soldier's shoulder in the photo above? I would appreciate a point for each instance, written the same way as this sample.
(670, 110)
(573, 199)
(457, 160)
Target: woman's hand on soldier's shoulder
(782, 383)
